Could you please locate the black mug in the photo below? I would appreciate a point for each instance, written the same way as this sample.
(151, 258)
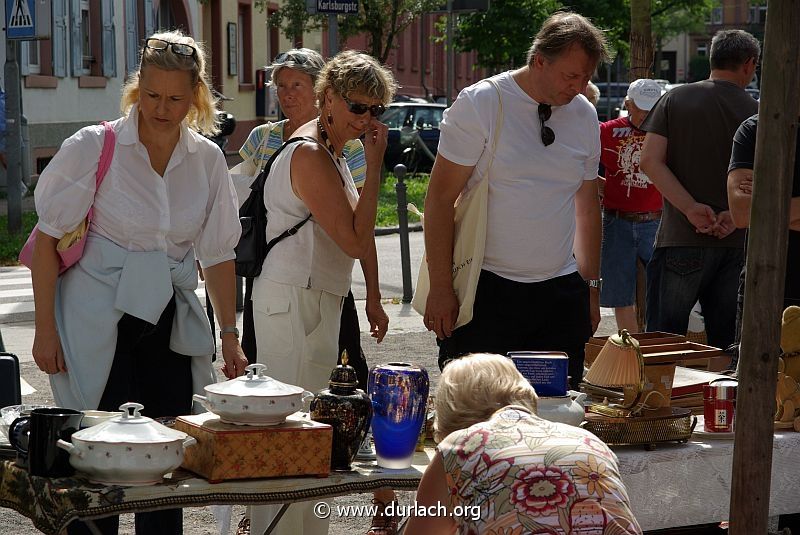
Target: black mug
(43, 429)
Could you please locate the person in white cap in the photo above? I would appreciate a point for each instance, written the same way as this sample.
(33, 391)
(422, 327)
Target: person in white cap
(631, 204)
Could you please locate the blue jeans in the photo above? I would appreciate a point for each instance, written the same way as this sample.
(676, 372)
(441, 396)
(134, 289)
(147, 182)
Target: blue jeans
(677, 277)
(623, 243)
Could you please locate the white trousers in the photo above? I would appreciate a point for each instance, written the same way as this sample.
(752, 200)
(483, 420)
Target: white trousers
(297, 334)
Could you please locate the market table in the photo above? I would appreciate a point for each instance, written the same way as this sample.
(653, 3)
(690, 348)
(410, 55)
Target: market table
(53, 503)
(674, 485)
(689, 484)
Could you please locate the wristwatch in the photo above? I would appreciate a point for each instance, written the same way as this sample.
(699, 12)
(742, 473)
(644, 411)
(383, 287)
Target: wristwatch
(594, 283)
(231, 329)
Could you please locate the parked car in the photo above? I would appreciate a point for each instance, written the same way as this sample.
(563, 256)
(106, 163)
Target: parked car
(409, 124)
(612, 97)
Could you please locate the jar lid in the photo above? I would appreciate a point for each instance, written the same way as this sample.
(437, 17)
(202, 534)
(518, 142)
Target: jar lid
(344, 375)
(130, 428)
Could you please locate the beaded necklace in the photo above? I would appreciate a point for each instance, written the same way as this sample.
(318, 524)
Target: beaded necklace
(325, 139)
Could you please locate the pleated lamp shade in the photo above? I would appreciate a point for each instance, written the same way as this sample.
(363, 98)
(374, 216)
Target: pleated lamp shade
(618, 364)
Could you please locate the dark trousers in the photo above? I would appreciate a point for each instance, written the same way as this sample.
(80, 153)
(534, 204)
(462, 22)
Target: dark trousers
(146, 371)
(551, 315)
(677, 277)
(349, 334)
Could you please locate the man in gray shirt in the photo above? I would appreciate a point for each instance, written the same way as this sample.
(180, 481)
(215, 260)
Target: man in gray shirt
(699, 251)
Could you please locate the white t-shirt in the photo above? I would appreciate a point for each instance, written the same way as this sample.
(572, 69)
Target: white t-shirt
(531, 214)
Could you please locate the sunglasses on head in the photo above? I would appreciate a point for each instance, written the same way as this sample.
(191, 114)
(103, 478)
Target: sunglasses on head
(180, 49)
(548, 136)
(294, 57)
(376, 110)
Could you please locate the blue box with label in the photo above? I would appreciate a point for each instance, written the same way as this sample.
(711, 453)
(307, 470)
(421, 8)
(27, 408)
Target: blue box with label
(546, 371)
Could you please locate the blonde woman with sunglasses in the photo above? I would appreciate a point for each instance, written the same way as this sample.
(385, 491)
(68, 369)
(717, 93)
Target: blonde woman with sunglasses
(124, 324)
(297, 299)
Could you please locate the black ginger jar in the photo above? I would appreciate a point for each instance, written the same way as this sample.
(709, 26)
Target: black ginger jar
(347, 409)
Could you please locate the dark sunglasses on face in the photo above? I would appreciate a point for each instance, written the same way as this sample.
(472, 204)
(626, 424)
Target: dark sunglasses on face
(548, 136)
(180, 49)
(376, 110)
(294, 57)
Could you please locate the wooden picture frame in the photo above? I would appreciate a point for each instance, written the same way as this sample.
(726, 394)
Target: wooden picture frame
(233, 54)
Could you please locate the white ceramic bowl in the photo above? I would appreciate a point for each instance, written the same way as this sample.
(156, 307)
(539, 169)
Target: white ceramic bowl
(127, 450)
(91, 418)
(253, 399)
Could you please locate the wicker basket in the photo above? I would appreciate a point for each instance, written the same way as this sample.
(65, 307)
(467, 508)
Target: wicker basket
(672, 425)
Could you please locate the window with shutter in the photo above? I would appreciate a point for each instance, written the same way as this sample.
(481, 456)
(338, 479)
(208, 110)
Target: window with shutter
(131, 36)
(59, 38)
(108, 49)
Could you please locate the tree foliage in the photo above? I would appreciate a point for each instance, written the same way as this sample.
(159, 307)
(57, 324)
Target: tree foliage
(381, 20)
(517, 21)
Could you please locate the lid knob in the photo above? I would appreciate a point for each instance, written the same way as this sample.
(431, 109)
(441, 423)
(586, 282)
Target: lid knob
(344, 376)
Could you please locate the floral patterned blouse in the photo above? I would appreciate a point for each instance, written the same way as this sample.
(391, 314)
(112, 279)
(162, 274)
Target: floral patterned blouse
(529, 475)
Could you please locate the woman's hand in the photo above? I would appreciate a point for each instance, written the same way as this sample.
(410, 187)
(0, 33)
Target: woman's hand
(376, 137)
(232, 354)
(378, 320)
(47, 352)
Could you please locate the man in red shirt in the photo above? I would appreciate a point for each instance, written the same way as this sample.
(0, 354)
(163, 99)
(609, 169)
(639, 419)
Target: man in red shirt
(631, 204)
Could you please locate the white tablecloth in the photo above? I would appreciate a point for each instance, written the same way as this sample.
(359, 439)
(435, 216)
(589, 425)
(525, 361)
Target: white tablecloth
(687, 484)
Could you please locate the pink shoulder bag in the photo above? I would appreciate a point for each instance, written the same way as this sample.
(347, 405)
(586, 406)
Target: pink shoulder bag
(70, 246)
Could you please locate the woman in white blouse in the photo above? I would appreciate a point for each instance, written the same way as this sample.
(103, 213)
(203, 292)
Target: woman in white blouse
(124, 323)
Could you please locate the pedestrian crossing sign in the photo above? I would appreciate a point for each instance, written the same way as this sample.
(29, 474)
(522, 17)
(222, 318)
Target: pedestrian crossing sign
(21, 18)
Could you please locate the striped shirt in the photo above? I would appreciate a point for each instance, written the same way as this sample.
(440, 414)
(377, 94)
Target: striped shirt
(259, 152)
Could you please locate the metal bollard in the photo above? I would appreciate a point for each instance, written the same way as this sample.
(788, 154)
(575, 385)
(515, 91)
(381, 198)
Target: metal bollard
(402, 220)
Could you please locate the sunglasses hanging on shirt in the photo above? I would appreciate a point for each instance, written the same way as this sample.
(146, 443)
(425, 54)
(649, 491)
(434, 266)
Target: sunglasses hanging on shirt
(548, 136)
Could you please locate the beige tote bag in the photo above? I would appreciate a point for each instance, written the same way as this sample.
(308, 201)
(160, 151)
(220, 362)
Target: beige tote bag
(469, 239)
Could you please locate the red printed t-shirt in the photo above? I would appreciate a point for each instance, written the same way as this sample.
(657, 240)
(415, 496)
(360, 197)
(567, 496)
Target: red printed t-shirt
(627, 188)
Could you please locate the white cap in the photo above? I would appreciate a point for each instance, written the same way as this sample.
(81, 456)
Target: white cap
(645, 93)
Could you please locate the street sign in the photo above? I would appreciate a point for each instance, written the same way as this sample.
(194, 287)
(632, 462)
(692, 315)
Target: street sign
(27, 19)
(336, 7)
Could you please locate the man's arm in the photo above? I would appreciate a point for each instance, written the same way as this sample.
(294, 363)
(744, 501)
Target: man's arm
(446, 182)
(740, 196)
(654, 164)
(588, 232)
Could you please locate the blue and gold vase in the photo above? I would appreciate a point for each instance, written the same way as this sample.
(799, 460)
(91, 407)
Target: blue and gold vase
(399, 393)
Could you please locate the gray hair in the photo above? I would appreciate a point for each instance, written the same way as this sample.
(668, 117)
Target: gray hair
(561, 30)
(303, 60)
(730, 49)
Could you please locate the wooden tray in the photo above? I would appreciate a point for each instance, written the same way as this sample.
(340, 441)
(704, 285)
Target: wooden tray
(659, 348)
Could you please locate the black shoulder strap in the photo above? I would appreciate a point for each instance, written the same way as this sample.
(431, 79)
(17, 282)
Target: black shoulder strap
(261, 179)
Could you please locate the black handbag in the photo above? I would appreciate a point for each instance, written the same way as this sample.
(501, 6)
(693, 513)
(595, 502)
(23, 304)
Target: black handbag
(253, 247)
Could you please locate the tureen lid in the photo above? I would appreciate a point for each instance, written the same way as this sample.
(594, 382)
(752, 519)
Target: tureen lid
(130, 428)
(255, 383)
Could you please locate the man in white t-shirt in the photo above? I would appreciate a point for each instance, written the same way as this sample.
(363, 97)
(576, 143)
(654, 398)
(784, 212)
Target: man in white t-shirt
(539, 285)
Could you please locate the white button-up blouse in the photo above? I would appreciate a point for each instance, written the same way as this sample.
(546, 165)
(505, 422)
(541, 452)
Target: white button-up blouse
(193, 204)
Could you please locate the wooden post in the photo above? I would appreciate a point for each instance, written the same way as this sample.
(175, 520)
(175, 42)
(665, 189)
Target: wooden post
(766, 266)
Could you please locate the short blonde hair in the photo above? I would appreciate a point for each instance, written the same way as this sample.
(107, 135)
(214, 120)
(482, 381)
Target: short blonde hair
(474, 387)
(592, 93)
(355, 72)
(202, 116)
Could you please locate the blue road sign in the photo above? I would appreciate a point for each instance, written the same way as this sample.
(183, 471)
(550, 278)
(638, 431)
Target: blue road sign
(20, 19)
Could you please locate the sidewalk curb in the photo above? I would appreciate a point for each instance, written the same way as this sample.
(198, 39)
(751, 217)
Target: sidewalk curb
(385, 231)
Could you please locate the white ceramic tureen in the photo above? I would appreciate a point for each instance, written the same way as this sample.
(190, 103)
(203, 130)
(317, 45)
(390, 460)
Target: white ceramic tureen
(127, 450)
(253, 399)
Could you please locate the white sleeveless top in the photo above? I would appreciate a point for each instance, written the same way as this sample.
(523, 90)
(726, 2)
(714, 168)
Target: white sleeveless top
(310, 258)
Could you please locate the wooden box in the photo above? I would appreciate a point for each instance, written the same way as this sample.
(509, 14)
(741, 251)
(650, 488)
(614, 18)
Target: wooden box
(664, 348)
(225, 451)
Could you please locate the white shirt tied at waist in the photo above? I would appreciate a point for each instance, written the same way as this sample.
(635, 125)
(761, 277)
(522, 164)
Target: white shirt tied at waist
(92, 297)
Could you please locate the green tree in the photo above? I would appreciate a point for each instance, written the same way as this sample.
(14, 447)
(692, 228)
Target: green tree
(381, 20)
